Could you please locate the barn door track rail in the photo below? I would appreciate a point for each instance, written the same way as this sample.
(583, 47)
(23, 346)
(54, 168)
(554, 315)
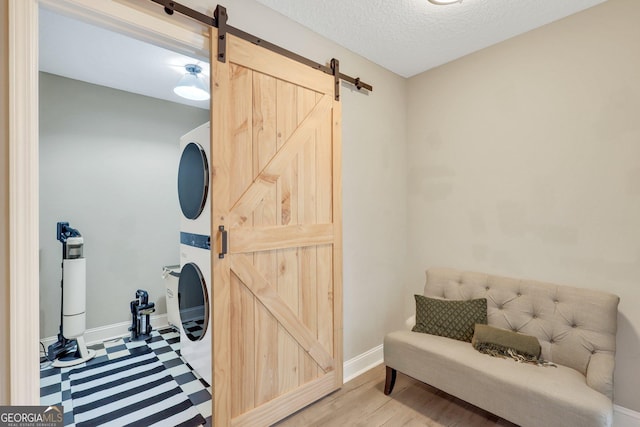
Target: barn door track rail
(219, 21)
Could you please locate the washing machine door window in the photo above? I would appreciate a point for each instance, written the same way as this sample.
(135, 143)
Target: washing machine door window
(193, 302)
(193, 180)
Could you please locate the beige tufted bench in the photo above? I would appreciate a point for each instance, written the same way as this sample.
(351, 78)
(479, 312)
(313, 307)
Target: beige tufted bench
(576, 329)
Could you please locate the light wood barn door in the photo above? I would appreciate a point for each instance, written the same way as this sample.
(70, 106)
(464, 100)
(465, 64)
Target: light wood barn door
(276, 189)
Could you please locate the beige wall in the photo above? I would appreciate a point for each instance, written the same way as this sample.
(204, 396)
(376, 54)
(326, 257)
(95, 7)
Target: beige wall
(4, 203)
(524, 160)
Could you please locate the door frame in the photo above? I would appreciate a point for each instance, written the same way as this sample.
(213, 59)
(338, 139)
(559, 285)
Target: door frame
(143, 23)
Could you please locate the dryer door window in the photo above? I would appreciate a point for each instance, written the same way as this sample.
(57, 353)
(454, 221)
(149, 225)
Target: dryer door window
(193, 302)
(193, 180)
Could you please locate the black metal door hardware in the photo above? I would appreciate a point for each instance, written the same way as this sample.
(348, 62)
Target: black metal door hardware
(219, 21)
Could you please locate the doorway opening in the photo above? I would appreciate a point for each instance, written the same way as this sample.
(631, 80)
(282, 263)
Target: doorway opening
(109, 132)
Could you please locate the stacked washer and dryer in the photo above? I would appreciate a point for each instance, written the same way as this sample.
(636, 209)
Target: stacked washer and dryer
(194, 293)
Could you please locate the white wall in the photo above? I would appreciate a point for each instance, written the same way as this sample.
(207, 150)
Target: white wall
(108, 166)
(374, 183)
(524, 160)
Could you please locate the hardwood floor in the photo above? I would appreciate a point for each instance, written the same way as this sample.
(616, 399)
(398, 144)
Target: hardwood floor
(361, 402)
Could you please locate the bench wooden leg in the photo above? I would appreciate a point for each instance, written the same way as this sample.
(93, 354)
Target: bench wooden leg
(390, 380)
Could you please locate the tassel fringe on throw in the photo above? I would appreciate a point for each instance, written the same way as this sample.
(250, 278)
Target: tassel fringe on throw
(509, 353)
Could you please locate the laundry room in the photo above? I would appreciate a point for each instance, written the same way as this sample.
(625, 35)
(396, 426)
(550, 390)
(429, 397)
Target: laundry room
(109, 154)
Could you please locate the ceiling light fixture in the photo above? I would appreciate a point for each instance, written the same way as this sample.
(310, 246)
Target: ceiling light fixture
(191, 86)
(443, 2)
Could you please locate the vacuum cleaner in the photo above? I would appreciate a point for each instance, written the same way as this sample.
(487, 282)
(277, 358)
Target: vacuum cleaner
(70, 349)
(141, 310)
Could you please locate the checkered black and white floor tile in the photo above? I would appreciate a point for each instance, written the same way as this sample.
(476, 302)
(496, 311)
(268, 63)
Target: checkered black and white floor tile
(194, 329)
(165, 343)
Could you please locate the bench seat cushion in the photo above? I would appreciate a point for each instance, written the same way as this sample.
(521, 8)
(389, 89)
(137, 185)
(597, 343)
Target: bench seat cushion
(528, 395)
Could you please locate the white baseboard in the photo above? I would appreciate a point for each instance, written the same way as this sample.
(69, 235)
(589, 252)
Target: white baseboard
(362, 363)
(623, 417)
(105, 333)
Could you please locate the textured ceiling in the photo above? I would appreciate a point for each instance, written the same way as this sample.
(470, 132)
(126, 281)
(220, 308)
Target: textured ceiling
(412, 36)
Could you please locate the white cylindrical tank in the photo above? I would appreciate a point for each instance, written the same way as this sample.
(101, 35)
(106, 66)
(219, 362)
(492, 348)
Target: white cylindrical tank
(74, 294)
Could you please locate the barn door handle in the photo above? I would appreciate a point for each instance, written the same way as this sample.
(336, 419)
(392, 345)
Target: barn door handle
(223, 242)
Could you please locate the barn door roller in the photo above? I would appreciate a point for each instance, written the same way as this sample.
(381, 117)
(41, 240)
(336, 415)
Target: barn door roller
(220, 16)
(219, 21)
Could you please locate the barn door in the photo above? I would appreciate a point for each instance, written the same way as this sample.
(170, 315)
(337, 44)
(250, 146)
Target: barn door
(276, 190)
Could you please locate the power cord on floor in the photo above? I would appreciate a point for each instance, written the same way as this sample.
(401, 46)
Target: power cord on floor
(44, 359)
(43, 355)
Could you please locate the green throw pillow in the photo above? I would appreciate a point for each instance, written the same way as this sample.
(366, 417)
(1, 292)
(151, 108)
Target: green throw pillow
(449, 318)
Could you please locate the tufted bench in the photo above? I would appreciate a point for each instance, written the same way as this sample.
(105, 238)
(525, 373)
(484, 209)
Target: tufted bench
(576, 329)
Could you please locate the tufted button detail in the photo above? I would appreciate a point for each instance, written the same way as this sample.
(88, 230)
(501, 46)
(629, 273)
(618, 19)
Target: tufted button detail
(555, 301)
(573, 325)
(552, 341)
(535, 316)
(487, 288)
(515, 329)
(519, 294)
